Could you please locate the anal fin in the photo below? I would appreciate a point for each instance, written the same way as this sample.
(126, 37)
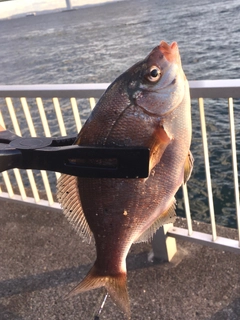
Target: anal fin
(167, 216)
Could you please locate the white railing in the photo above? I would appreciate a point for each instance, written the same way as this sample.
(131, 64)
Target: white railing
(34, 109)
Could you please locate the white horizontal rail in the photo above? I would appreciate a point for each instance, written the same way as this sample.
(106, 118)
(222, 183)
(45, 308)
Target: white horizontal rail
(29, 201)
(221, 243)
(85, 90)
(199, 88)
(215, 89)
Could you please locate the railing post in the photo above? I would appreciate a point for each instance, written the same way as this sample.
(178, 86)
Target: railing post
(164, 247)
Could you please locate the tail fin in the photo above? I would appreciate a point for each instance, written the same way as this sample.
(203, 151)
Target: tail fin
(115, 285)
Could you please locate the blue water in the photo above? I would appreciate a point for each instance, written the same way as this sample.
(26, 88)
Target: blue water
(96, 44)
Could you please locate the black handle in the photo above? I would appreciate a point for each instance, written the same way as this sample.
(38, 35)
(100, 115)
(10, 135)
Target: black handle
(92, 162)
(60, 155)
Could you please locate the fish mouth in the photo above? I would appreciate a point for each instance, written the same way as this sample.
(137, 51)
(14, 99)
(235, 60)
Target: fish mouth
(165, 47)
(170, 52)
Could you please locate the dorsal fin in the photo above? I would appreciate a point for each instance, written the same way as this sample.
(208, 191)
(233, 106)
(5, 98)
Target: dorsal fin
(68, 197)
(168, 216)
(188, 166)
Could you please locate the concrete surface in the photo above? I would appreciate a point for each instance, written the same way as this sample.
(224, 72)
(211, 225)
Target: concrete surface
(41, 259)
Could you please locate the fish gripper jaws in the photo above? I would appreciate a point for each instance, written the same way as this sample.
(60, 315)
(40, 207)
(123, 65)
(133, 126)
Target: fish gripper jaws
(61, 155)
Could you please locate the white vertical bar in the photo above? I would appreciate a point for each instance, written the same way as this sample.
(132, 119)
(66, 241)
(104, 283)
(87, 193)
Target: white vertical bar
(1, 124)
(47, 186)
(13, 116)
(207, 168)
(76, 114)
(187, 209)
(28, 117)
(33, 185)
(1, 120)
(43, 117)
(92, 103)
(58, 175)
(234, 163)
(59, 116)
(18, 132)
(8, 184)
(20, 184)
(44, 123)
(60, 122)
(33, 134)
(16, 171)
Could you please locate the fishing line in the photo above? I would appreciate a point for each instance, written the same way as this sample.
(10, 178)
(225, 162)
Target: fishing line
(97, 315)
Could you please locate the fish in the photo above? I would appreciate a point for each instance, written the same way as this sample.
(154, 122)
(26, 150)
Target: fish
(149, 106)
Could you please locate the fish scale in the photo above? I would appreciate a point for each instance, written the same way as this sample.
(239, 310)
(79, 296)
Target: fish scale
(148, 106)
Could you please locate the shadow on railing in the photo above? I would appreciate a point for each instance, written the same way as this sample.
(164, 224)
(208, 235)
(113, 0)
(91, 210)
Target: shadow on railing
(30, 110)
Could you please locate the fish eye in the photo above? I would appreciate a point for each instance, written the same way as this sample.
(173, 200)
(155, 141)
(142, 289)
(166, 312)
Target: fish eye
(154, 74)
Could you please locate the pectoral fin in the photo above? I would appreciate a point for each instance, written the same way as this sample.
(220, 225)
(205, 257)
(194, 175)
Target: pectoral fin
(159, 142)
(188, 166)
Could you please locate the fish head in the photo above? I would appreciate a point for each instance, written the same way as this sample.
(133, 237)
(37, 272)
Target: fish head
(158, 84)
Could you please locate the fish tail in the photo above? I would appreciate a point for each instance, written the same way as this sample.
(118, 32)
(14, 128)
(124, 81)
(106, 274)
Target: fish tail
(116, 286)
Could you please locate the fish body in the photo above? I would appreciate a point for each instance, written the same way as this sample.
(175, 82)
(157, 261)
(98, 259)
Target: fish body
(149, 106)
